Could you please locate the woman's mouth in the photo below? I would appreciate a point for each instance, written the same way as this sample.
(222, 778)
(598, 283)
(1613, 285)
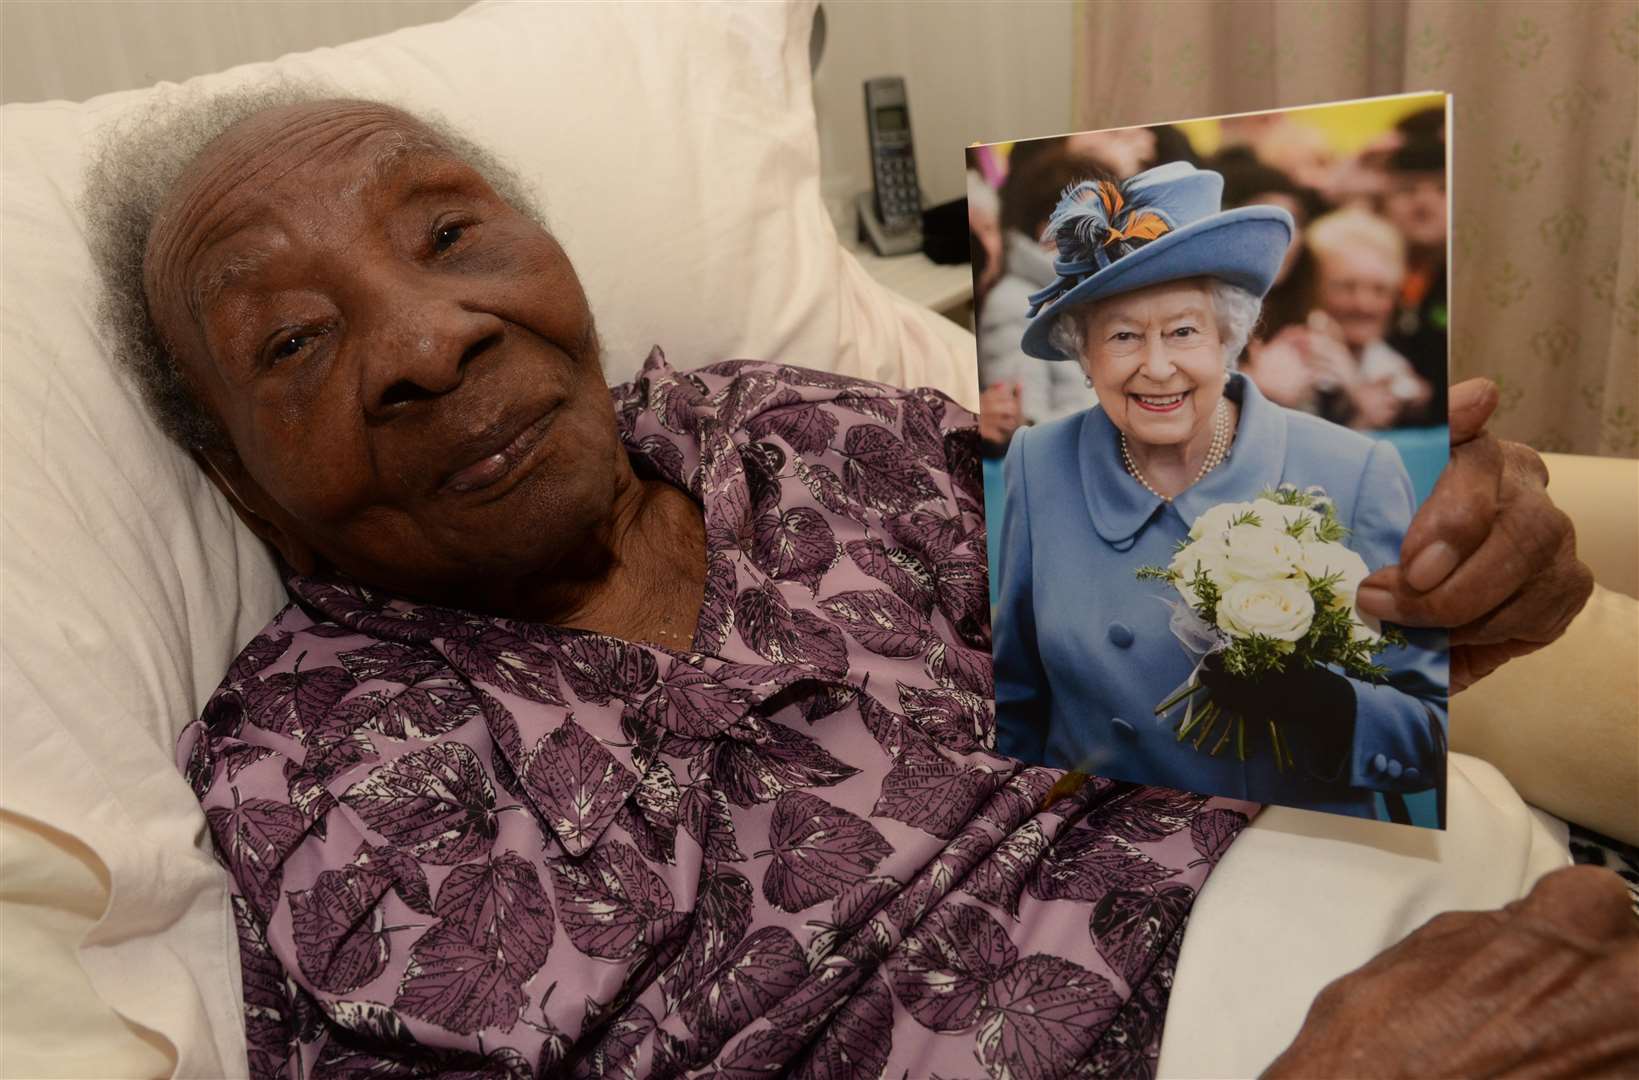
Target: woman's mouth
(1160, 403)
(491, 468)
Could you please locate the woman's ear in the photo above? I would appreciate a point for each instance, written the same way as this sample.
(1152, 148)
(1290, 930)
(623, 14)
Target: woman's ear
(253, 506)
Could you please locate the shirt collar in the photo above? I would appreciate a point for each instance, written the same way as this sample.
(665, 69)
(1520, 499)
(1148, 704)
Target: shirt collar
(1121, 507)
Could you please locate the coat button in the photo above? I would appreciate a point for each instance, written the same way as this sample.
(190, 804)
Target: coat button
(1121, 635)
(1122, 727)
(1395, 769)
(1413, 774)
(1380, 763)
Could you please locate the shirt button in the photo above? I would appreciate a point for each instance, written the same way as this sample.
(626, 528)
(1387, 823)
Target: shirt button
(1413, 774)
(1380, 763)
(1121, 635)
(1122, 727)
(1395, 769)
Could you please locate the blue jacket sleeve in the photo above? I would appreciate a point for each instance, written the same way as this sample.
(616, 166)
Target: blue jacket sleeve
(1021, 683)
(1400, 725)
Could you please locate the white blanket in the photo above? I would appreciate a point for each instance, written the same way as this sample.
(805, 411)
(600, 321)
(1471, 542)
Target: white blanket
(1302, 898)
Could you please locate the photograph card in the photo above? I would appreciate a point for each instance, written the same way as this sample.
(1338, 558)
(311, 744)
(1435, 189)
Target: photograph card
(1213, 357)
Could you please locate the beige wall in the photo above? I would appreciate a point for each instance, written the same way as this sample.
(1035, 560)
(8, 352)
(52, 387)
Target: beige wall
(76, 49)
(975, 72)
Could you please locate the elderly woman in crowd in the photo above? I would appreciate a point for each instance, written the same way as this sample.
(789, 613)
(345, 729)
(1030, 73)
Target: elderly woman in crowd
(1360, 264)
(610, 731)
(1157, 292)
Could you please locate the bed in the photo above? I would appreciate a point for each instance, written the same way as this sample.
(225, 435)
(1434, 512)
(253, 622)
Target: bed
(685, 133)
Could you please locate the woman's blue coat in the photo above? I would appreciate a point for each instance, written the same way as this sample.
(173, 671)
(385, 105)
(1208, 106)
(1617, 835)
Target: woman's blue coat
(1082, 647)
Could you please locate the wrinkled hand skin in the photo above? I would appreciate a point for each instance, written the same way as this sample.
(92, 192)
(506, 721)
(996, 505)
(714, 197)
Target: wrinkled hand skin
(1488, 555)
(1546, 987)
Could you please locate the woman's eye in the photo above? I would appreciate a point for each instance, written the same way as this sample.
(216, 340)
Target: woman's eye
(1185, 331)
(446, 237)
(1123, 335)
(288, 345)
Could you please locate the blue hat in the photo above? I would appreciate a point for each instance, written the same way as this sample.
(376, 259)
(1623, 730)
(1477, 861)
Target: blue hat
(1163, 224)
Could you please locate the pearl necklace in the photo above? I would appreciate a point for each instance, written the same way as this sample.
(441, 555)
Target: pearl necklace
(1216, 452)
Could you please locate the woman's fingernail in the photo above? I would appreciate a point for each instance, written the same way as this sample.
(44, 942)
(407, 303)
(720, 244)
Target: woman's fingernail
(1378, 603)
(1431, 566)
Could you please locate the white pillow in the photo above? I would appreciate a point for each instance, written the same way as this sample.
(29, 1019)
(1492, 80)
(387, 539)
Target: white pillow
(675, 152)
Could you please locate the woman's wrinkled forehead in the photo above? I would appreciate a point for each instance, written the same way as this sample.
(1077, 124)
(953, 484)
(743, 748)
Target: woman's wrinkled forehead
(254, 155)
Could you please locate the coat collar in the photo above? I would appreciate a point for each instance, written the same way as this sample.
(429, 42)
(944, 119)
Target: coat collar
(1121, 507)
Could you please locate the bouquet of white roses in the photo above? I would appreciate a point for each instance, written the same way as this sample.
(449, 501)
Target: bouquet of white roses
(1268, 587)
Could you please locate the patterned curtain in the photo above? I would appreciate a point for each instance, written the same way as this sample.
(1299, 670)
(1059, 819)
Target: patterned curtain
(1545, 160)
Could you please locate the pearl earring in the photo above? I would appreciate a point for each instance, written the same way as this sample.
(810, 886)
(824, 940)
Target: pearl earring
(1088, 379)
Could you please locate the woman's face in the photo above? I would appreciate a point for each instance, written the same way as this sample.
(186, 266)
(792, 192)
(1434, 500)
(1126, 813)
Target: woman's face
(405, 364)
(1156, 361)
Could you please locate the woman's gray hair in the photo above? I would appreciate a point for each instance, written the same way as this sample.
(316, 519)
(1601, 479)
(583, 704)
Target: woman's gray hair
(135, 167)
(1235, 309)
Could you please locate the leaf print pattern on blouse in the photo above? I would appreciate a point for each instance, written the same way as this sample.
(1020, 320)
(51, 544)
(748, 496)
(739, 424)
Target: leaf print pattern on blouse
(472, 846)
(817, 851)
(459, 984)
(765, 968)
(772, 760)
(576, 784)
(859, 1040)
(1086, 865)
(797, 545)
(504, 660)
(721, 915)
(1213, 830)
(1132, 926)
(787, 637)
(341, 943)
(609, 900)
(943, 970)
(1042, 1012)
(881, 472)
(502, 905)
(936, 796)
(255, 836)
(436, 804)
(295, 702)
(899, 569)
(806, 427)
(427, 710)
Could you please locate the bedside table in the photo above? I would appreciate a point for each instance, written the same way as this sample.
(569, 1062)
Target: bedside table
(945, 289)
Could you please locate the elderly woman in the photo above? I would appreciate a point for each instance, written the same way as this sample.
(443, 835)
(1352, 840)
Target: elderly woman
(1157, 292)
(610, 731)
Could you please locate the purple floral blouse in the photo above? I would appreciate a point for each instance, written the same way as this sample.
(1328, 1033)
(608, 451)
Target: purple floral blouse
(470, 846)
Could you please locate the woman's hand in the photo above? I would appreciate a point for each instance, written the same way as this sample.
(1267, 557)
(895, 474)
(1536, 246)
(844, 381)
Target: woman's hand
(1548, 986)
(1488, 555)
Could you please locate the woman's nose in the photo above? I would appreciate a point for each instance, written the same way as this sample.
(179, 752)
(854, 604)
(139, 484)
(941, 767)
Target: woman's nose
(422, 341)
(1157, 364)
